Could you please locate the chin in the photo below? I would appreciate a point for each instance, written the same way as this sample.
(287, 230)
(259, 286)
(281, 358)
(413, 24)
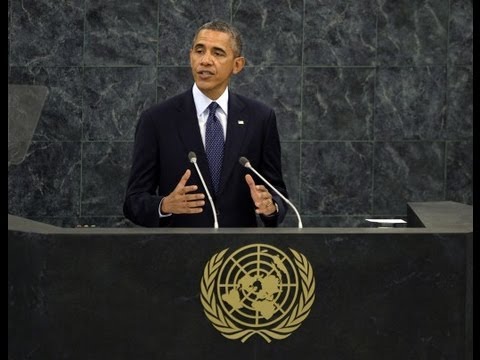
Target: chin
(204, 87)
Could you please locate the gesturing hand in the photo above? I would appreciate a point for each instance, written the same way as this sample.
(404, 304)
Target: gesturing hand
(261, 197)
(181, 201)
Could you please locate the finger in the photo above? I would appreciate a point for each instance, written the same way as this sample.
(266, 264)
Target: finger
(195, 204)
(250, 182)
(261, 188)
(193, 197)
(193, 210)
(183, 181)
(188, 207)
(188, 189)
(253, 188)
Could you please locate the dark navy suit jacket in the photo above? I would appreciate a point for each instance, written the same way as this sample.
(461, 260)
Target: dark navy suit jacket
(167, 132)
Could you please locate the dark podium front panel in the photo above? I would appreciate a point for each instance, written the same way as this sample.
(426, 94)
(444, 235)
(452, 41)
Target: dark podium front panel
(400, 293)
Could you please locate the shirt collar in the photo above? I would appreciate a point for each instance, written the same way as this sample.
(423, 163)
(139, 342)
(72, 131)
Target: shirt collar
(202, 101)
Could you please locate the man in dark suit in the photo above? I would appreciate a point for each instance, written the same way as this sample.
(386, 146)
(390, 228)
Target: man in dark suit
(165, 189)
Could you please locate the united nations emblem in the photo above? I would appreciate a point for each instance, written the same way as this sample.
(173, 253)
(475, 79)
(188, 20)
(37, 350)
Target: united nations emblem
(258, 289)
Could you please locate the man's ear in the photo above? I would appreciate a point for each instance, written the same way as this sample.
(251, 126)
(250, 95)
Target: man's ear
(239, 64)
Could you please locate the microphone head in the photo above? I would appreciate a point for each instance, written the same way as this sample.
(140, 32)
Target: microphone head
(192, 157)
(244, 161)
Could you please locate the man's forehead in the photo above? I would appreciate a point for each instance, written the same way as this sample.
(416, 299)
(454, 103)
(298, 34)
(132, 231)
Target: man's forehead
(207, 35)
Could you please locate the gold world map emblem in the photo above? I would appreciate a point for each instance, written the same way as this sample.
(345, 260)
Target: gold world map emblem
(257, 289)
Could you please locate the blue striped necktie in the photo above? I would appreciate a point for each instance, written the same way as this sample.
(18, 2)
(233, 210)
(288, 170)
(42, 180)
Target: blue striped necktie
(214, 144)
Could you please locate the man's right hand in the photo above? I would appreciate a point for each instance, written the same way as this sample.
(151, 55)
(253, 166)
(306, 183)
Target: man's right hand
(181, 200)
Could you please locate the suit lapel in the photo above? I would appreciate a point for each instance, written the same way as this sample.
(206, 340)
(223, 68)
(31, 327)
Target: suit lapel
(236, 130)
(189, 133)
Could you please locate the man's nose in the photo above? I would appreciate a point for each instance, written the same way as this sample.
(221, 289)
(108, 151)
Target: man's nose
(206, 58)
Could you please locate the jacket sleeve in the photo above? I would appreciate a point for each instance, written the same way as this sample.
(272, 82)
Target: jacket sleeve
(271, 169)
(141, 200)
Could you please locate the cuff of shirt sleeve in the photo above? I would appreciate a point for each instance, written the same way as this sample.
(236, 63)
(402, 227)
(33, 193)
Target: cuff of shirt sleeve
(166, 215)
(276, 211)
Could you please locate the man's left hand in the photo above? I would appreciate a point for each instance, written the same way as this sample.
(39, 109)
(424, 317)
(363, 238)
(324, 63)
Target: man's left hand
(261, 197)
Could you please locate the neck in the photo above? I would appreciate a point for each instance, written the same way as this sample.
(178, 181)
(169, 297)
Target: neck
(213, 95)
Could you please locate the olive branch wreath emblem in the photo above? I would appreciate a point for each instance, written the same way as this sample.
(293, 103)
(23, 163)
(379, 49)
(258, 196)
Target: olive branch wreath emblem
(280, 331)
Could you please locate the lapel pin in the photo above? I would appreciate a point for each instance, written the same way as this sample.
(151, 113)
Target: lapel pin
(241, 122)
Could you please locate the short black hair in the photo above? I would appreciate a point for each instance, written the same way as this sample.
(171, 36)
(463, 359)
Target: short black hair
(222, 26)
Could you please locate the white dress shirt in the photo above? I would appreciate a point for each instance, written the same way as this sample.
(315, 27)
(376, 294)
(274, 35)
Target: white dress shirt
(201, 104)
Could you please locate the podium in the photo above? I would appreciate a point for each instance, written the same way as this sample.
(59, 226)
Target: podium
(135, 293)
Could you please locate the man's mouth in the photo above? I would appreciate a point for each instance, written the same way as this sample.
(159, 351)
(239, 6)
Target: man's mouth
(205, 74)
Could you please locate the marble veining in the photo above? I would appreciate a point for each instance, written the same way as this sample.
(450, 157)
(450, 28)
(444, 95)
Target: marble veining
(272, 30)
(177, 22)
(338, 103)
(460, 103)
(461, 32)
(459, 181)
(47, 33)
(373, 98)
(61, 117)
(280, 87)
(9, 28)
(336, 178)
(291, 172)
(120, 32)
(340, 32)
(172, 81)
(410, 103)
(106, 167)
(412, 32)
(47, 182)
(407, 172)
(115, 98)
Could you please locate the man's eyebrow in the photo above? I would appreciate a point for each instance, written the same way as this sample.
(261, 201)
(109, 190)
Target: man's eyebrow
(215, 48)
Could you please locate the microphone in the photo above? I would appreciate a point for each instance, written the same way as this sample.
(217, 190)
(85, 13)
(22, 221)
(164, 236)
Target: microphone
(244, 161)
(193, 159)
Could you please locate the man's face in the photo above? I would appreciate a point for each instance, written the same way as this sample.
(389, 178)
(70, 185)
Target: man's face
(213, 62)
